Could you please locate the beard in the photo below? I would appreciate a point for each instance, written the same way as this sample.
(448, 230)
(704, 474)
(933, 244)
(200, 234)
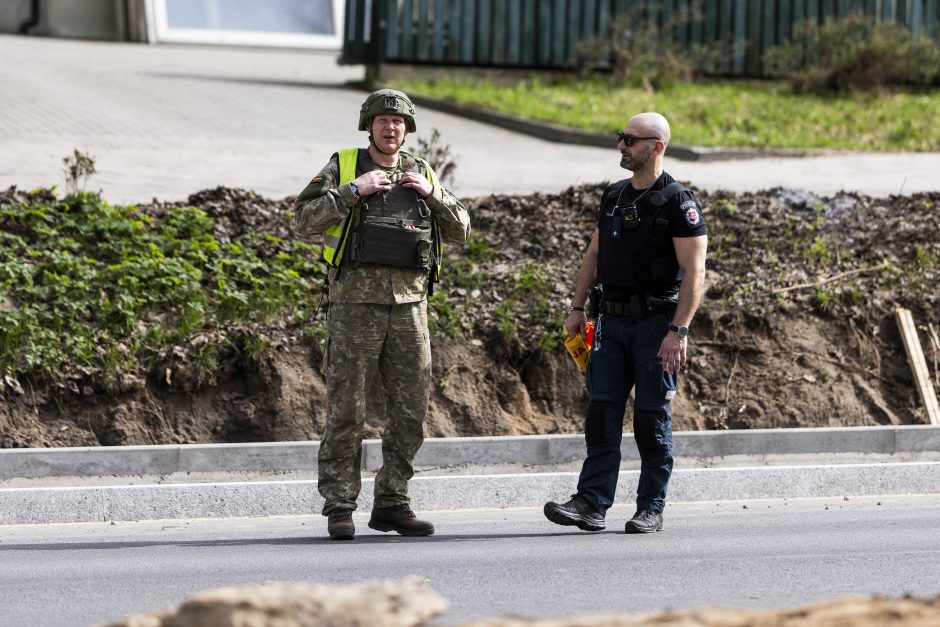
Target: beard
(637, 161)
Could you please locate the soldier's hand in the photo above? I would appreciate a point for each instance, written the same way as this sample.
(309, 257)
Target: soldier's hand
(372, 182)
(417, 182)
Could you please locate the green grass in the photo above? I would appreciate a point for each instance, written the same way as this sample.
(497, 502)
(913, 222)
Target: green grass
(729, 113)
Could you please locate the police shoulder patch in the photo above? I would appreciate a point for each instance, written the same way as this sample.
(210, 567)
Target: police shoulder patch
(691, 212)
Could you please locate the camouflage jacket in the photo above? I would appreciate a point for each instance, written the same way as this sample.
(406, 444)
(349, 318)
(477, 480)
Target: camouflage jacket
(324, 202)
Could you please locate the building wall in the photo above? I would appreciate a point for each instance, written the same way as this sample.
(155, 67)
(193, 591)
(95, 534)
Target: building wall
(292, 23)
(79, 19)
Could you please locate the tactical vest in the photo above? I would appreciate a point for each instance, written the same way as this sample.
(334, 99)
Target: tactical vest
(642, 259)
(388, 229)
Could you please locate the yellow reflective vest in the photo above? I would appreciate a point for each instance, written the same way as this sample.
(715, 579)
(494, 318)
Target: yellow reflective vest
(335, 236)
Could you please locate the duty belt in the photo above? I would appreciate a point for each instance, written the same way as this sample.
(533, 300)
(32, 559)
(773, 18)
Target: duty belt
(637, 307)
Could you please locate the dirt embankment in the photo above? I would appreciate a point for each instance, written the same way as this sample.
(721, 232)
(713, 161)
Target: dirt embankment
(797, 329)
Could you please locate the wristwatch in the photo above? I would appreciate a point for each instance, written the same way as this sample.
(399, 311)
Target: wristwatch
(354, 188)
(680, 331)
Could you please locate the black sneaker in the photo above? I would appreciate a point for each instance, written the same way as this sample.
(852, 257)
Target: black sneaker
(340, 525)
(576, 512)
(645, 521)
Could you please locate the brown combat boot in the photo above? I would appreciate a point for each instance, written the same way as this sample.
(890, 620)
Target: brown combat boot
(399, 518)
(340, 525)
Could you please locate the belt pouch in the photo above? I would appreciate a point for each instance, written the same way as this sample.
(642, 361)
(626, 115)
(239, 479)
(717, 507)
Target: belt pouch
(390, 242)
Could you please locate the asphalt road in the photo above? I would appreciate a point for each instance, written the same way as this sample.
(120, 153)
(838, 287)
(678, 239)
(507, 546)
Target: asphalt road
(753, 554)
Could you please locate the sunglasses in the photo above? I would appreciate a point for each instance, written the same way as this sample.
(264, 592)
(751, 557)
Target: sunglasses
(629, 140)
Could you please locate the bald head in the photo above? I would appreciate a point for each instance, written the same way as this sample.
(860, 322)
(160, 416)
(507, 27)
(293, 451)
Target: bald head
(651, 124)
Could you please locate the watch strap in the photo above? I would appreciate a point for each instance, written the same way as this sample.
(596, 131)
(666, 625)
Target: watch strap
(680, 331)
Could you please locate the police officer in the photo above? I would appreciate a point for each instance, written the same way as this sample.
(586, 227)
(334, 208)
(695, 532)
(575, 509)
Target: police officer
(384, 216)
(647, 255)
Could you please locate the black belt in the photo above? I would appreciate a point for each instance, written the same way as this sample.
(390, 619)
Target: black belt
(637, 307)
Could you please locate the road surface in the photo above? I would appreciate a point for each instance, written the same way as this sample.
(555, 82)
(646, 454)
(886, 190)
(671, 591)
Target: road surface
(746, 554)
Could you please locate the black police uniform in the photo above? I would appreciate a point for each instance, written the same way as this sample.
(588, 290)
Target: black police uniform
(640, 276)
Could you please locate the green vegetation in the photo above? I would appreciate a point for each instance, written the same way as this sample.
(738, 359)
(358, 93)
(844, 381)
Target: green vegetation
(853, 53)
(444, 316)
(818, 250)
(731, 114)
(525, 301)
(826, 298)
(448, 313)
(725, 207)
(481, 291)
(640, 53)
(926, 258)
(851, 83)
(78, 168)
(89, 291)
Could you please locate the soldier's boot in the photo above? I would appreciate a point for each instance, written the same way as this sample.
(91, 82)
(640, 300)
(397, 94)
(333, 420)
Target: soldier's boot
(399, 518)
(340, 525)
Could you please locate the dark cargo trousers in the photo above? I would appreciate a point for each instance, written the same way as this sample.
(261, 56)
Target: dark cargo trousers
(624, 357)
(365, 341)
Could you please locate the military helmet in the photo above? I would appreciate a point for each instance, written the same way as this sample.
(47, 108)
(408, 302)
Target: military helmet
(387, 102)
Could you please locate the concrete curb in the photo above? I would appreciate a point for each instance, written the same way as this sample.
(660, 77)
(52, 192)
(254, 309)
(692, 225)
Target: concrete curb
(280, 498)
(567, 135)
(536, 450)
(711, 466)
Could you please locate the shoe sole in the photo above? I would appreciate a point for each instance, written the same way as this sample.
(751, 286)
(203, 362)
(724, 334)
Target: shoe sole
(561, 518)
(342, 536)
(400, 531)
(633, 529)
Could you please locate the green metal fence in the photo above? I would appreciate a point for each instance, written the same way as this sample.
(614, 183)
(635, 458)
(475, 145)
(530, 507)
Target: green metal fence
(544, 34)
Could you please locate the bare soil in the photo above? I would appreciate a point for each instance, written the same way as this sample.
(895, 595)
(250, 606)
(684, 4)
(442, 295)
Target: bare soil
(797, 330)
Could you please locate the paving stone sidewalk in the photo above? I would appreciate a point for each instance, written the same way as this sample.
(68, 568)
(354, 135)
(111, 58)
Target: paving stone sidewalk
(167, 121)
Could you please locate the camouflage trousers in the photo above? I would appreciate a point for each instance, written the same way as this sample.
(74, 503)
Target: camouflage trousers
(366, 340)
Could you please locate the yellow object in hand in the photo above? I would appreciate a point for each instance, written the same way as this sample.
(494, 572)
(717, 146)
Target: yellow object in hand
(580, 351)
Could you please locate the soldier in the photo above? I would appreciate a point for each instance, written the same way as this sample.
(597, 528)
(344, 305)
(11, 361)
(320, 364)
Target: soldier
(384, 215)
(648, 255)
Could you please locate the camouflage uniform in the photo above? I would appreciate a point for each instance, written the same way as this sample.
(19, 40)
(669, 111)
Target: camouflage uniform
(377, 324)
